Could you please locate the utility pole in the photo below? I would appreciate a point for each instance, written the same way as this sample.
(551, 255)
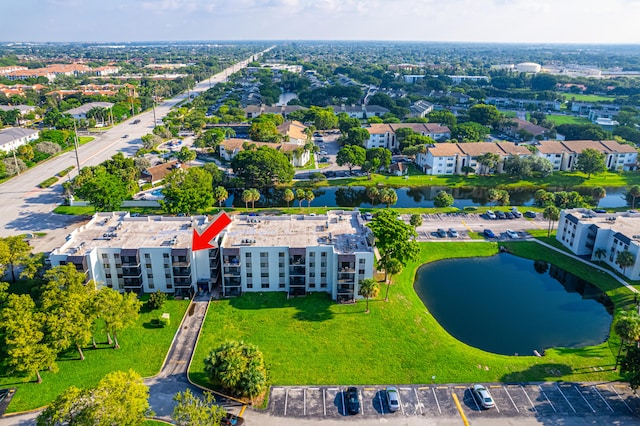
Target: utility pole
(15, 160)
(76, 144)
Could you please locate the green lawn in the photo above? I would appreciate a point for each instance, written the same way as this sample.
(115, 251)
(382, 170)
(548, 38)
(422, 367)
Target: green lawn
(312, 340)
(143, 348)
(587, 98)
(567, 119)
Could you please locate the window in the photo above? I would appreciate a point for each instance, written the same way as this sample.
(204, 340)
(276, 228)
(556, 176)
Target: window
(106, 266)
(249, 285)
(107, 276)
(105, 256)
(148, 266)
(361, 271)
(312, 254)
(323, 275)
(264, 254)
(265, 285)
(247, 255)
(149, 275)
(361, 261)
(147, 256)
(281, 254)
(264, 275)
(281, 275)
(312, 264)
(119, 275)
(249, 274)
(169, 286)
(151, 285)
(165, 255)
(281, 285)
(323, 285)
(168, 276)
(312, 285)
(264, 264)
(312, 274)
(323, 254)
(117, 256)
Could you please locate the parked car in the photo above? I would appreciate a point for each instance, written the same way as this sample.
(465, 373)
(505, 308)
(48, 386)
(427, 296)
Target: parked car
(511, 233)
(125, 136)
(515, 212)
(352, 398)
(483, 396)
(232, 420)
(600, 211)
(136, 121)
(393, 402)
(501, 215)
(453, 233)
(490, 214)
(317, 135)
(441, 233)
(530, 214)
(510, 215)
(368, 216)
(323, 152)
(489, 233)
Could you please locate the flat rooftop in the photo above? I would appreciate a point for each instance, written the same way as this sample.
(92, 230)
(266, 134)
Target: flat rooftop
(625, 223)
(119, 230)
(344, 231)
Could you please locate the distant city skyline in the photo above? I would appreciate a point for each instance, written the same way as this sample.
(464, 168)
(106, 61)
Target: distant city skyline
(510, 21)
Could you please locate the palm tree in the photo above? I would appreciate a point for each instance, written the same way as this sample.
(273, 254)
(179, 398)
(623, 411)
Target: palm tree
(627, 327)
(220, 194)
(634, 192)
(300, 196)
(392, 267)
(373, 194)
(368, 288)
(309, 196)
(255, 196)
(598, 193)
(624, 260)
(246, 198)
(388, 196)
(553, 214)
(288, 196)
(600, 253)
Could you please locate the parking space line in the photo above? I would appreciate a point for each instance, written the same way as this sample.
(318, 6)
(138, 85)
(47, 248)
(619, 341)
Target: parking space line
(585, 399)
(344, 412)
(418, 399)
(304, 401)
(286, 397)
(548, 400)
(565, 398)
(474, 399)
(623, 401)
(400, 403)
(530, 402)
(324, 401)
(381, 404)
(602, 398)
(509, 395)
(437, 403)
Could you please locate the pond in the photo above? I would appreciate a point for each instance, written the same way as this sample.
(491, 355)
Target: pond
(508, 305)
(356, 196)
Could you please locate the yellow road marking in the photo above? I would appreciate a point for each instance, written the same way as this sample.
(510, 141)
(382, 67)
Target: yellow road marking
(464, 418)
(466, 226)
(244, 407)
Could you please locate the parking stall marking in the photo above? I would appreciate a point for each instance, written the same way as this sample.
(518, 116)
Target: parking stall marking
(585, 399)
(548, 400)
(437, 402)
(344, 409)
(565, 398)
(314, 402)
(530, 402)
(277, 400)
(511, 399)
(621, 399)
(286, 397)
(474, 399)
(296, 402)
(324, 401)
(304, 401)
(428, 401)
(419, 403)
(602, 397)
(335, 398)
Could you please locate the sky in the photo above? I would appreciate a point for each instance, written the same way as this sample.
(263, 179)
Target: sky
(512, 21)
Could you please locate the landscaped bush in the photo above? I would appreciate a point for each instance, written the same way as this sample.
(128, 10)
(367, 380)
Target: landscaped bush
(47, 183)
(156, 300)
(65, 171)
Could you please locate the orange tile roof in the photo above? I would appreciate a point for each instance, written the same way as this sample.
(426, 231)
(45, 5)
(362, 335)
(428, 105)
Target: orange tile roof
(445, 150)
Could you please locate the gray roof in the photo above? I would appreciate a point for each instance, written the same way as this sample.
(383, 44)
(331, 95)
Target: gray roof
(83, 109)
(11, 134)
(22, 108)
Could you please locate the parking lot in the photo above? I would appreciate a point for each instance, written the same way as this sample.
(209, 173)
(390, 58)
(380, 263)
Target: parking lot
(533, 400)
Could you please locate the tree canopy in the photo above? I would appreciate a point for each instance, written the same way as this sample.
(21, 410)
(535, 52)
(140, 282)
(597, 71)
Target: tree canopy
(262, 168)
(394, 238)
(187, 191)
(591, 161)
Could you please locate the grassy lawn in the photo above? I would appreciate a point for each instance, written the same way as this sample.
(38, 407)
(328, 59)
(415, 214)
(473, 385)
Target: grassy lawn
(566, 119)
(312, 340)
(143, 348)
(587, 98)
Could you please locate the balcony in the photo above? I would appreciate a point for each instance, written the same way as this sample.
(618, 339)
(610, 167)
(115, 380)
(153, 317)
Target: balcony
(182, 282)
(131, 271)
(297, 281)
(214, 253)
(181, 272)
(133, 282)
(297, 270)
(181, 264)
(231, 261)
(231, 271)
(296, 260)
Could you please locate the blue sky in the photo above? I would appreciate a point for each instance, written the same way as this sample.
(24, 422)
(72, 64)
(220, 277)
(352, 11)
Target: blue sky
(533, 21)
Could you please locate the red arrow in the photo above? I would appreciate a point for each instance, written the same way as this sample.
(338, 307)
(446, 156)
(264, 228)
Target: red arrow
(202, 241)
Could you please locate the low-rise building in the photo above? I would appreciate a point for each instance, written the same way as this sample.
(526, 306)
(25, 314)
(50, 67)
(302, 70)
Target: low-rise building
(564, 154)
(524, 127)
(13, 137)
(360, 111)
(155, 174)
(80, 113)
(253, 111)
(293, 131)
(298, 254)
(420, 108)
(383, 135)
(602, 236)
(296, 152)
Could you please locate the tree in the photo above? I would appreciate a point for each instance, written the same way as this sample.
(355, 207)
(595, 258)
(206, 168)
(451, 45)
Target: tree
(120, 398)
(382, 155)
(288, 196)
(187, 191)
(443, 117)
(627, 327)
(552, 213)
(220, 194)
(392, 267)
(356, 136)
(238, 367)
(469, 132)
(262, 168)
(193, 411)
(24, 339)
(443, 199)
(254, 195)
(118, 311)
(14, 252)
(388, 196)
(309, 196)
(415, 220)
(373, 193)
(351, 155)
(156, 300)
(517, 167)
(634, 192)
(630, 367)
(591, 162)
(624, 259)
(467, 169)
(599, 253)
(185, 155)
(489, 160)
(104, 191)
(300, 195)
(67, 303)
(368, 288)
(394, 238)
(598, 193)
(487, 115)
(246, 198)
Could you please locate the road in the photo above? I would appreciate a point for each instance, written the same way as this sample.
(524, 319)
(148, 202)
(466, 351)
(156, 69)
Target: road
(26, 208)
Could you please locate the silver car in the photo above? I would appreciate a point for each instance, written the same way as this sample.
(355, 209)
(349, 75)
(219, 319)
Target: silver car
(392, 399)
(483, 396)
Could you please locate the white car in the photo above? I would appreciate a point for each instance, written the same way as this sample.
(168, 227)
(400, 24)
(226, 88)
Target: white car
(490, 214)
(511, 233)
(393, 402)
(483, 396)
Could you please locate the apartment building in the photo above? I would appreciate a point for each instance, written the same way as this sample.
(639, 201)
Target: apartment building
(297, 254)
(299, 157)
(453, 158)
(602, 237)
(564, 154)
(13, 137)
(360, 111)
(382, 135)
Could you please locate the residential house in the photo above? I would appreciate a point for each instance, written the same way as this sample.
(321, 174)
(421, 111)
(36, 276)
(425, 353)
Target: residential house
(601, 237)
(80, 113)
(564, 154)
(253, 111)
(293, 131)
(13, 137)
(156, 174)
(360, 111)
(524, 127)
(420, 109)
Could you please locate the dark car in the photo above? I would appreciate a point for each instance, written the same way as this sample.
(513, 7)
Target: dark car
(352, 399)
(232, 420)
(441, 233)
(530, 214)
(510, 215)
(501, 215)
(489, 233)
(600, 211)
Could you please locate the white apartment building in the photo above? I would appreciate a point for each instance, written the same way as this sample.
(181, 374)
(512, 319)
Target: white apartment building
(564, 154)
(298, 254)
(602, 236)
(13, 137)
(382, 135)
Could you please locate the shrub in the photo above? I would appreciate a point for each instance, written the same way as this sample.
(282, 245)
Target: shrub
(49, 148)
(47, 183)
(156, 300)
